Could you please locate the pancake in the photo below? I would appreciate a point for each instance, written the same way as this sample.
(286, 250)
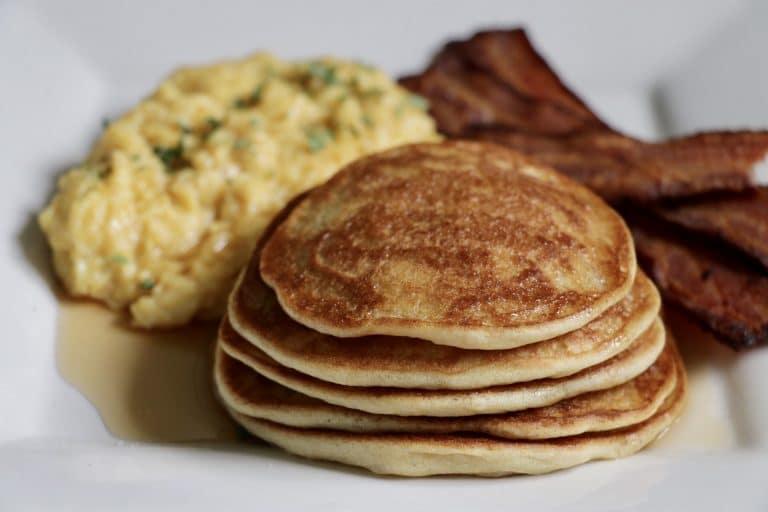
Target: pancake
(412, 363)
(468, 454)
(247, 392)
(421, 402)
(459, 243)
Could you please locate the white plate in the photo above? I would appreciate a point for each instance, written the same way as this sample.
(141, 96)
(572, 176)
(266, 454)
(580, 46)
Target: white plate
(66, 65)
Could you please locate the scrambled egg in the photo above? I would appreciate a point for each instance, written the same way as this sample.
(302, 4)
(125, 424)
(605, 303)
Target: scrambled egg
(169, 204)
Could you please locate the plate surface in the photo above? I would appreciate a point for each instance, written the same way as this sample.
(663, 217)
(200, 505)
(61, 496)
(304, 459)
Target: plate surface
(66, 65)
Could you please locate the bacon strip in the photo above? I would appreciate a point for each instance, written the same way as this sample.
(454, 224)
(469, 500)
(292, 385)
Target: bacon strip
(621, 168)
(496, 87)
(497, 78)
(739, 219)
(728, 295)
(510, 57)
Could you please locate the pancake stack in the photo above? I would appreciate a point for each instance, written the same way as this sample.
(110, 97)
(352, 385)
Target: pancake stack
(449, 308)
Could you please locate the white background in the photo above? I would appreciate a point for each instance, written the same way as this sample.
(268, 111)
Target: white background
(651, 68)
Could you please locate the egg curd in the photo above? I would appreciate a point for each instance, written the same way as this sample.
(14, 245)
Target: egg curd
(167, 207)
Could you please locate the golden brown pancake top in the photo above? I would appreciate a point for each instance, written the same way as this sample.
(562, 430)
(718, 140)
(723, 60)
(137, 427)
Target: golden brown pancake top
(460, 243)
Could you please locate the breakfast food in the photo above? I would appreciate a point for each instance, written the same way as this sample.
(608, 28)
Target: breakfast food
(423, 454)
(166, 208)
(495, 87)
(251, 394)
(604, 388)
(739, 219)
(620, 168)
(418, 241)
(728, 293)
(498, 79)
(409, 362)
(627, 365)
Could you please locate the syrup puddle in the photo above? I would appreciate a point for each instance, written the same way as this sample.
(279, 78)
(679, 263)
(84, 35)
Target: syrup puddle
(152, 386)
(707, 423)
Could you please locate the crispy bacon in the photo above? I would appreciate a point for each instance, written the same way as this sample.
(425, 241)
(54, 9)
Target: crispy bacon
(497, 78)
(739, 219)
(621, 168)
(496, 87)
(510, 57)
(728, 295)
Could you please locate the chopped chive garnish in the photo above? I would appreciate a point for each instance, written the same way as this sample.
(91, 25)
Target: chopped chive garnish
(171, 157)
(417, 101)
(241, 144)
(251, 100)
(147, 283)
(323, 72)
(100, 169)
(213, 125)
(120, 259)
(105, 123)
(318, 138)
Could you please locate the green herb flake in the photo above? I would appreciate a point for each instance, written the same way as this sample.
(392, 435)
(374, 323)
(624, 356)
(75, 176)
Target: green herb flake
(213, 125)
(318, 138)
(171, 157)
(185, 130)
(147, 283)
(418, 102)
(120, 259)
(99, 169)
(256, 122)
(241, 144)
(135, 157)
(323, 72)
(251, 100)
(105, 123)
(367, 121)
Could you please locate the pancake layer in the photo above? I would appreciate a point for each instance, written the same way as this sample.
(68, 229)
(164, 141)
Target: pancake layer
(462, 244)
(468, 454)
(246, 392)
(442, 402)
(412, 363)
